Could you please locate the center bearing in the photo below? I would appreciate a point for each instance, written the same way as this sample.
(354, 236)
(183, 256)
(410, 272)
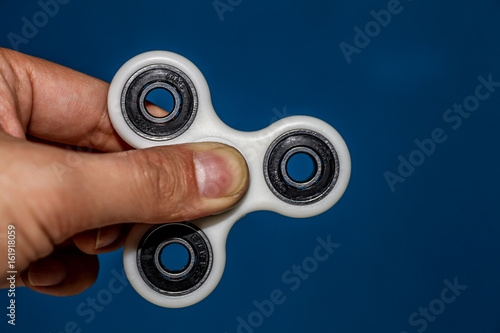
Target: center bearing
(163, 280)
(322, 153)
(164, 77)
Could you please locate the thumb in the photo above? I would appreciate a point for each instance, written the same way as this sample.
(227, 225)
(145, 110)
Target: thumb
(162, 184)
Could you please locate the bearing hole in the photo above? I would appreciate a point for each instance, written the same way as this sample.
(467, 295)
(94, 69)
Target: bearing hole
(159, 102)
(301, 167)
(174, 257)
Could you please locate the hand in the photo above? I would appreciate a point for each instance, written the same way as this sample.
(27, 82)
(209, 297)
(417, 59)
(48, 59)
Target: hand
(66, 205)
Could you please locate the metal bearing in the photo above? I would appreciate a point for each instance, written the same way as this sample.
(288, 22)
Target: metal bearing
(153, 77)
(318, 168)
(326, 170)
(144, 95)
(187, 279)
(164, 270)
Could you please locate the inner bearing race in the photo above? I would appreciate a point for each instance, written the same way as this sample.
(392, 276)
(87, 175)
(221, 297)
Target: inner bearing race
(317, 165)
(171, 90)
(185, 270)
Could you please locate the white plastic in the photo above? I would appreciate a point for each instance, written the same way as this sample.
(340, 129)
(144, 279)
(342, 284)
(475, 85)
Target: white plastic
(253, 145)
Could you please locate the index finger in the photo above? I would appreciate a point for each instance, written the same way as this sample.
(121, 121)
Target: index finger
(58, 104)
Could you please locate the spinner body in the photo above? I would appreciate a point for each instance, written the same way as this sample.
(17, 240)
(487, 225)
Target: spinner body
(267, 153)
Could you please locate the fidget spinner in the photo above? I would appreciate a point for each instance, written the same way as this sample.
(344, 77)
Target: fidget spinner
(267, 153)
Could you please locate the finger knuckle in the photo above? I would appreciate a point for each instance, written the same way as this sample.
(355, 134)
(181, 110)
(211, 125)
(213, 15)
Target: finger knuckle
(167, 181)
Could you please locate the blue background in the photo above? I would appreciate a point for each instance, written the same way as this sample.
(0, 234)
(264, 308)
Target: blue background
(269, 59)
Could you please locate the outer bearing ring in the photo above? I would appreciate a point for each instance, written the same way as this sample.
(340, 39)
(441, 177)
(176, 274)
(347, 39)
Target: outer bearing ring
(322, 153)
(165, 77)
(189, 278)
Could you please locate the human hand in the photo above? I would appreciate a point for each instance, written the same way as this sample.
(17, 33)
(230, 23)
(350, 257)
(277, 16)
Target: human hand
(66, 205)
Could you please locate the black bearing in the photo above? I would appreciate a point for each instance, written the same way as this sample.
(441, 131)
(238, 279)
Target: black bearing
(322, 153)
(170, 79)
(190, 277)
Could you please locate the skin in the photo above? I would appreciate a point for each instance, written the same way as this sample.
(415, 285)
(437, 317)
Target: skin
(68, 205)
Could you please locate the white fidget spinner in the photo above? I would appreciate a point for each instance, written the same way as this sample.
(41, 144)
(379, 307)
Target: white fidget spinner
(266, 152)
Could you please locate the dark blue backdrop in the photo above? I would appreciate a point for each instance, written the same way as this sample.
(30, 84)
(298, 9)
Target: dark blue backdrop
(402, 244)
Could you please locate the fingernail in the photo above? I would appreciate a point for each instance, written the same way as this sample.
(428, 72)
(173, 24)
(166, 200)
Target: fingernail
(220, 172)
(47, 272)
(107, 236)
